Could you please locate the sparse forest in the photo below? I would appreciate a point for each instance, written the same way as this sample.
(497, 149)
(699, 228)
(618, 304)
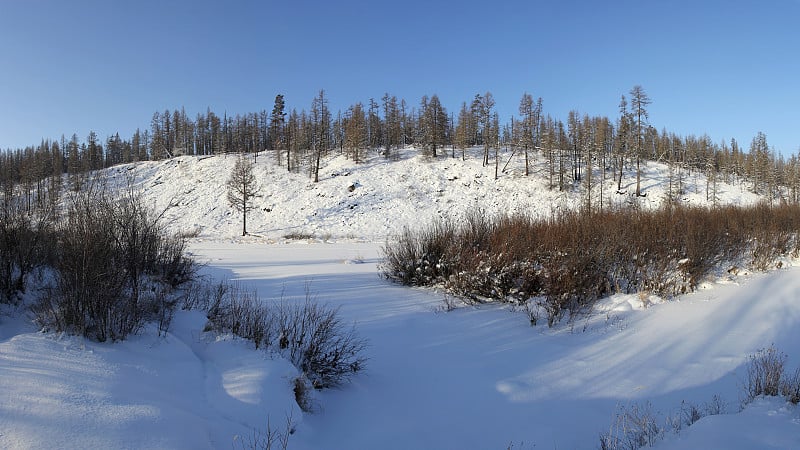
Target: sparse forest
(577, 151)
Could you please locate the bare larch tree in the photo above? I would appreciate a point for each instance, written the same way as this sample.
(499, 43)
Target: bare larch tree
(243, 188)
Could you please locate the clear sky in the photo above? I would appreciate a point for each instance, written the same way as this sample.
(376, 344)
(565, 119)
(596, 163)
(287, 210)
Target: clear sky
(724, 68)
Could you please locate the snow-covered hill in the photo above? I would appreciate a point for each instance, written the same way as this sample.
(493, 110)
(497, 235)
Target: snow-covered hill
(476, 377)
(377, 198)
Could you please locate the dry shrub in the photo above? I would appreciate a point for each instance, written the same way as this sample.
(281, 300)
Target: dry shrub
(790, 386)
(636, 426)
(267, 439)
(418, 258)
(309, 334)
(113, 263)
(767, 375)
(764, 373)
(239, 312)
(574, 258)
(25, 242)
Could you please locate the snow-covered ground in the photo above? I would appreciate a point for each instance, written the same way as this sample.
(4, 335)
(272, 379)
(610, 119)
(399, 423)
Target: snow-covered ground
(377, 198)
(476, 377)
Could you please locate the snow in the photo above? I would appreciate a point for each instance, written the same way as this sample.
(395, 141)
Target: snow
(387, 197)
(148, 392)
(767, 423)
(476, 377)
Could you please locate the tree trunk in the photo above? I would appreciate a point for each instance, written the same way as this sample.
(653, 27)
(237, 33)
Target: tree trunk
(638, 176)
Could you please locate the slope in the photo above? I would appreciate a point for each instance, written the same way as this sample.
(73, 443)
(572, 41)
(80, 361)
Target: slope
(378, 198)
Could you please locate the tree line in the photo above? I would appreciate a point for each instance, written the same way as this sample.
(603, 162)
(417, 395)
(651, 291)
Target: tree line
(575, 151)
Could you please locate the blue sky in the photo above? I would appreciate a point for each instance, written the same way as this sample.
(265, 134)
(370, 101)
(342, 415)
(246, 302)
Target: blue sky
(724, 68)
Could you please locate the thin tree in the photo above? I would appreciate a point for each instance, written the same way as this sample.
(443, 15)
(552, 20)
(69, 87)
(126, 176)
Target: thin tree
(321, 124)
(463, 133)
(494, 141)
(529, 126)
(243, 188)
(639, 102)
(392, 135)
(482, 108)
(623, 132)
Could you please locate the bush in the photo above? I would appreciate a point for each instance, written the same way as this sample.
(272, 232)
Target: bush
(309, 334)
(572, 259)
(25, 236)
(113, 263)
(766, 375)
(635, 427)
(239, 312)
(265, 440)
(790, 387)
(319, 344)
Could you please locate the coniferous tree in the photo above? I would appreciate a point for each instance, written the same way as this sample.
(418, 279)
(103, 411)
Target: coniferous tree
(320, 124)
(760, 157)
(575, 145)
(494, 142)
(277, 125)
(243, 188)
(337, 133)
(393, 125)
(74, 168)
(562, 144)
(623, 138)
(374, 126)
(604, 145)
(463, 133)
(529, 125)
(158, 145)
(293, 136)
(639, 102)
(94, 156)
(433, 124)
(548, 131)
(216, 139)
(355, 130)
(482, 109)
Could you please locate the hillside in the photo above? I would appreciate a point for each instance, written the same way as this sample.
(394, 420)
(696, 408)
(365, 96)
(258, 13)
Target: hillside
(376, 199)
(476, 377)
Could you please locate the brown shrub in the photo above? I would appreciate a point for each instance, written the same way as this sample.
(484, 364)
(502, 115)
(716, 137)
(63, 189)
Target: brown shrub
(574, 258)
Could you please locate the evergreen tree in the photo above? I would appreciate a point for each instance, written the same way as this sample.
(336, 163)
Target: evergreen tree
(277, 125)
